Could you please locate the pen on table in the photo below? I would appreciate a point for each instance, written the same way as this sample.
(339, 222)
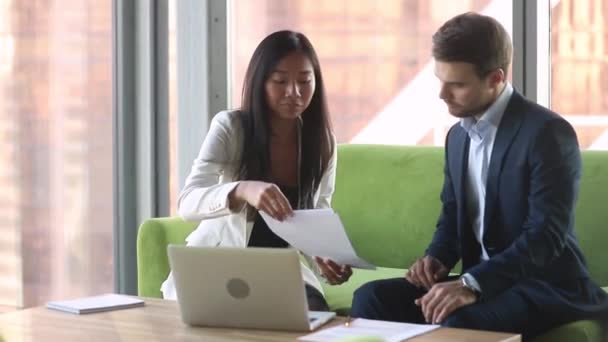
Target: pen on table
(348, 320)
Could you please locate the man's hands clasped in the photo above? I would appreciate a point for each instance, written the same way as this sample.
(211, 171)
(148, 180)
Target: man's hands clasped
(426, 271)
(442, 298)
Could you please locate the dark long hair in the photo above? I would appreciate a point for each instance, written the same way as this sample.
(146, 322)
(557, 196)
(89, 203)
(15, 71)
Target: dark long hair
(316, 144)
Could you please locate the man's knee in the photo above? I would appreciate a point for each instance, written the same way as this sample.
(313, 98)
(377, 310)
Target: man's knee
(367, 299)
(463, 319)
(367, 292)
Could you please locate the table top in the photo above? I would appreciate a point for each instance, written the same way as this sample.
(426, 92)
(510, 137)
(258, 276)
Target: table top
(159, 320)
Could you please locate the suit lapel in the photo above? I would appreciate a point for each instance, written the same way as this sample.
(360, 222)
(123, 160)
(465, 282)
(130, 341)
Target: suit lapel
(507, 129)
(459, 160)
(458, 163)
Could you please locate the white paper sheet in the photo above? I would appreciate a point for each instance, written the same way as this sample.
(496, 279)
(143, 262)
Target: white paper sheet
(387, 331)
(318, 232)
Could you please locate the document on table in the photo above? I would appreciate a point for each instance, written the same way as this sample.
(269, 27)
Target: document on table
(387, 331)
(318, 232)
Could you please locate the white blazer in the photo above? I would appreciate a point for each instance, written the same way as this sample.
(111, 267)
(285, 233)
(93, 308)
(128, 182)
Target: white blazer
(205, 195)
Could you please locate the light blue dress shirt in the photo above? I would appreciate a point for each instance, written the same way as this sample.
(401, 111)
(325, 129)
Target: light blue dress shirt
(482, 132)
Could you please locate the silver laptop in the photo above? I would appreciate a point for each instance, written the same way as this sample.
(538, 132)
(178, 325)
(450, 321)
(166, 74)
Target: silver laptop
(259, 288)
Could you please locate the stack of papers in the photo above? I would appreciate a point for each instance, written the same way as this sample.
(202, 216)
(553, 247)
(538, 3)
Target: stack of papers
(386, 331)
(317, 232)
(101, 303)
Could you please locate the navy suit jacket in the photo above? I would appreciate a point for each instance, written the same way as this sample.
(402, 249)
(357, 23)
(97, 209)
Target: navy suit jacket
(531, 191)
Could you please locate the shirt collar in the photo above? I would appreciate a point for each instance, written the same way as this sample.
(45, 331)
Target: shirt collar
(478, 125)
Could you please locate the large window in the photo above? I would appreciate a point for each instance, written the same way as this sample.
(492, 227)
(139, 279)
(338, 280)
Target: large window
(579, 67)
(375, 58)
(55, 150)
(376, 61)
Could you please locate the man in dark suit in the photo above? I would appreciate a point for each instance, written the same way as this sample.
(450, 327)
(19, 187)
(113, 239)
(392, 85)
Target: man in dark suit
(511, 180)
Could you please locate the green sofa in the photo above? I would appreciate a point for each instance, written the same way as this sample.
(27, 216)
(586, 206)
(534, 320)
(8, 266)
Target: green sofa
(388, 199)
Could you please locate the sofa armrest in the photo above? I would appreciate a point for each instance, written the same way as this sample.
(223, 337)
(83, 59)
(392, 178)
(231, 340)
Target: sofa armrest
(153, 237)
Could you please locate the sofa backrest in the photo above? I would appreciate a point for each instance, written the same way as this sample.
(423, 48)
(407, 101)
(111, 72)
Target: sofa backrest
(592, 214)
(388, 200)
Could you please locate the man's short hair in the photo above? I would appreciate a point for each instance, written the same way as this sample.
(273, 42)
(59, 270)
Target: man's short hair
(476, 39)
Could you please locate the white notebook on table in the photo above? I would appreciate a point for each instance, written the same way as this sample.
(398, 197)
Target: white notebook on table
(101, 303)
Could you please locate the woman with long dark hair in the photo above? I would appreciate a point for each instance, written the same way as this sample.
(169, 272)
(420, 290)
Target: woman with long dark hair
(275, 154)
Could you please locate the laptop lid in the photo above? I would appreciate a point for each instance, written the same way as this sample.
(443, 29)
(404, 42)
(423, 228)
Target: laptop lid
(242, 288)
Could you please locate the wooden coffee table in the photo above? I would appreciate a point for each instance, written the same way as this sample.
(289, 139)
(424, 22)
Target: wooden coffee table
(159, 320)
